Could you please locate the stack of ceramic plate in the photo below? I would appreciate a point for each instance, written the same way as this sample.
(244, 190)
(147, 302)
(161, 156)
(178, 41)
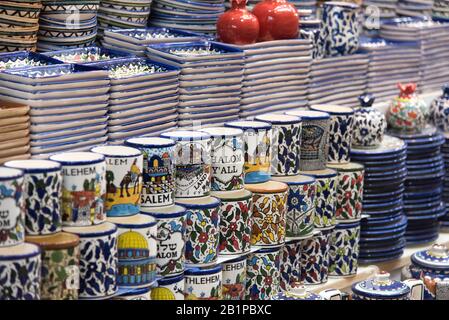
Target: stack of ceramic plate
(135, 41)
(382, 232)
(210, 82)
(143, 98)
(68, 105)
(389, 63)
(197, 16)
(423, 187)
(414, 8)
(440, 9)
(87, 55)
(338, 80)
(444, 220)
(385, 8)
(19, 23)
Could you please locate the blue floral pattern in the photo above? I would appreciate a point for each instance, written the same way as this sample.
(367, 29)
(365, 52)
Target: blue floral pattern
(286, 149)
(344, 251)
(340, 137)
(262, 275)
(290, 265)
(315, 258)
(300, 210)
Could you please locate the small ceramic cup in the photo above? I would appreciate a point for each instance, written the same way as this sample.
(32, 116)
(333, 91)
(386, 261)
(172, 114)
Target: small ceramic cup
(263, 274)
(234, 279)
(193, 163)
(14, 261)
(300, 205)
(158, 173)
(290, 266)
(123, 179)
(136, 294)
(257, 149)
(83, 188)
(340, 132)
(98, 260)
(171, 230)
(202, 230)
(227, 158)
(203, 283)
(12, 207)
(60, 265)
(235, 221)
(350, 178)
(137, 248)
(344, 249)
(269, 211)
(285, 143)
(169, 288)
(314, 139)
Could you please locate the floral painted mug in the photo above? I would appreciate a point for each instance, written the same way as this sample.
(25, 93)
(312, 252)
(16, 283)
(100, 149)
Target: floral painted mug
(234, 279)
(203, 283)
(344, 249)
(315, 257)
(290, 266)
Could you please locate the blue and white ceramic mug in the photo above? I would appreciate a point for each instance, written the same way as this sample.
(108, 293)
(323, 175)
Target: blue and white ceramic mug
(290, 266)
(203, 283)
(234, 279)
(169, 288)
(344, 249)
(315, 257)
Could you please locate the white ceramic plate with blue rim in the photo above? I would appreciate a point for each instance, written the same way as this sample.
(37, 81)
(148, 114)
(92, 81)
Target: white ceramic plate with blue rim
(250, 88)
(44, 95)
(214, 75)
(122, 121)
(204, 122)
(209, 115)
(260, 71)
(338, 93)
(140, 124)
(57, 102)
(319, 75)
(138, 98)
(106, 21)
(162, 102)
(144, 84)
(117, 114)
(55, 126)
(273, 108)
(138, 53)
(145, 36)
(43, 46)
(319, 88)
(276, 44)
(60, 86)
(123, 45)
(276, 73)
(64, 139)
(68, 132)
(268, 103)
(259, 98)
(283, 89)
(275, 79)
(211, 81)
(196, 109)
(209, 69)
(160, 90)
(278, 52)
(141, 131)
(209, 102)
(69, 116)
(189, 97)
(67, 145)
(261, 61)
(210, 89)
(65, 110)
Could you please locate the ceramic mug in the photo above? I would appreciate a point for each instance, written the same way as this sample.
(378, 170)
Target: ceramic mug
(171, 230)
(227, 158)
(169, 288)
(193, 163)
(285, 143)
(14, 261)
(315, 257)
(98, 260)
(137, 294)
(202, 230)
(43, 182)
(269, 210)
(234, 279)
(314, 139)
(439, 109)
(12, 207)
(203, 283)
(123, 179)
(257, 149)
(83, 188)
(235, 221)
(290, 267)
(344, 249)
(158, 173)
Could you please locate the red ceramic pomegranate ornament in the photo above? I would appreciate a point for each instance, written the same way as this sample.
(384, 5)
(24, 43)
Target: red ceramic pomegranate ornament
(238, 25)
(278, 20)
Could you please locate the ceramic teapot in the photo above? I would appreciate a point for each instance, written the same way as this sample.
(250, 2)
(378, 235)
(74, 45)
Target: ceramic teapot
(298, 291)
(439, 110)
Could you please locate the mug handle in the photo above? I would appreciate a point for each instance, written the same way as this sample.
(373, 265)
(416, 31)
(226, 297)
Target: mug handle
(416, 289)
(331, 294)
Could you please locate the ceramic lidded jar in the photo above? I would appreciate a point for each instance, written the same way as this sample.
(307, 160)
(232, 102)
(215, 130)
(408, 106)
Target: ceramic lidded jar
(171, 230)
(300, 205)
(234, 279)
(314, 139)
(98, 260)
(158, 173)
(169, 288)
(20, 271)
(202, 230)
(290, 266)
(315, 257)
(269, 210)
(60, 265)
(256, 148)
(193, 163)
(137, 247)
(297, 291)
(285, 143)
(203, 283)
(123, 179)
(344, 249)
(83, 188)
(227, 158)
(137, 294)
(12, 207)
(439, 110)
(369, 124)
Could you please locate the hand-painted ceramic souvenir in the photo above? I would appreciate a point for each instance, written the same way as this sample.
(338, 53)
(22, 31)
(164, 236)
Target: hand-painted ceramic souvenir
(235, 221)
(123, 179)
(158, 172)
(20, 272)
(203, 283)
(439, 110)
(326, 197)
(257, 149)
(369, 124)
(193, 163)
(297, 291)
(407, 112)
(314, 139)
(202, 230)
(171, 229)
(285, 143)
(12, 207)
(300, 214)
(137, 248)
(350, 178)
(315, 257)
(340, 132)
(290, 267)
(83, 188)
(60, 265)
(262, 274)
(136, 294)
(98, 260)
(227, 158)
(234, 279)
(169, 288)
(344, 249)
(269, 210)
